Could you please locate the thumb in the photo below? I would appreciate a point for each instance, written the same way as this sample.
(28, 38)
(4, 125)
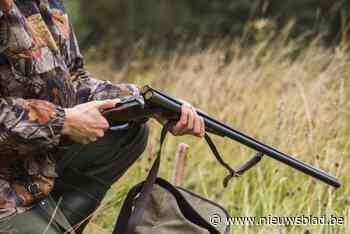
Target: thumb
(106, 104)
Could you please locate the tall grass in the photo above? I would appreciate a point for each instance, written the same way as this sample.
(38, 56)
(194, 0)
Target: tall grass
(297, 101)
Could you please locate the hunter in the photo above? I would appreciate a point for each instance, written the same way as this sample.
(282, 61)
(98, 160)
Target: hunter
(56, 149)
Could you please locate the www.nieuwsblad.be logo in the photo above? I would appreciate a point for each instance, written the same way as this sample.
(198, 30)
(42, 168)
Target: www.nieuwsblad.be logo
(302, 220)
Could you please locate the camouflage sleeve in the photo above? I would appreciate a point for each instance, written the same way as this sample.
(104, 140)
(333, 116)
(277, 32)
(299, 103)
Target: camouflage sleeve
(28, 125)
(88, 88)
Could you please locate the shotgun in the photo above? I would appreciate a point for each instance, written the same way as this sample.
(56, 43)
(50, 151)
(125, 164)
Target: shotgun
(138, 109)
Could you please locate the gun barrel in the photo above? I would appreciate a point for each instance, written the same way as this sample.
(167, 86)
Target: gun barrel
(155, 97)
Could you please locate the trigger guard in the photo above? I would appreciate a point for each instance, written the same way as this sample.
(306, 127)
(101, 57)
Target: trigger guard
(119, 127)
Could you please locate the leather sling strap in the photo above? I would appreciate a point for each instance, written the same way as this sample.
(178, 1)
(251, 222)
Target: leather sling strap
(232, 172)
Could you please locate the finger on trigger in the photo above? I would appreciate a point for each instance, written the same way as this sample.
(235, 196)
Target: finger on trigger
(107, 104)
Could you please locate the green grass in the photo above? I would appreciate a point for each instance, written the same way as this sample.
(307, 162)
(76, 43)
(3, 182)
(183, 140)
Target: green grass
(297, 103)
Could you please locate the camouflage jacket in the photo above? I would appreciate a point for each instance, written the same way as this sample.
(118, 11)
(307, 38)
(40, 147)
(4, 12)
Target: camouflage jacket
(41, 73)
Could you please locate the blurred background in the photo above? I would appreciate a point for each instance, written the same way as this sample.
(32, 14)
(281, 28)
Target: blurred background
(276, 70)
(117, 26)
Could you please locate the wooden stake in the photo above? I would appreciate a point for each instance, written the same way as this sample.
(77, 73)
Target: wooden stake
(180, 161)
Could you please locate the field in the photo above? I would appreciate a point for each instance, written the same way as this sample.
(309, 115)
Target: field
(295, 100)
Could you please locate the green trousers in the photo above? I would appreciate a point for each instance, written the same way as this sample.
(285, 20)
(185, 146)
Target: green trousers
(86, 172)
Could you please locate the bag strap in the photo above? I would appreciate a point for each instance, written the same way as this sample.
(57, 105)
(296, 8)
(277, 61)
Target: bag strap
(128, 220)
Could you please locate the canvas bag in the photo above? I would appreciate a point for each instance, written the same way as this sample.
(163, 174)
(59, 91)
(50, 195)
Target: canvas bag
(156, 206)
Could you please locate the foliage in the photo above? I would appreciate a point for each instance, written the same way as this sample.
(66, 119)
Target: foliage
(115, 25)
